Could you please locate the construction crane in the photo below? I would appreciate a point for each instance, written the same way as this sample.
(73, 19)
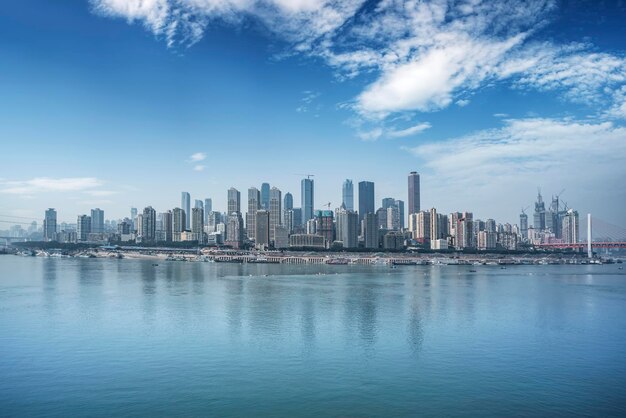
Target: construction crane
(308, 176)
(327, 205)
(525, 209)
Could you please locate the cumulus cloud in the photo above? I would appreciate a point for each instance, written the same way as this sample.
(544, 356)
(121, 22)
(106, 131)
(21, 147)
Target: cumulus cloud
(589, 159)
(198, 156)
(49, 185)
(419, 55)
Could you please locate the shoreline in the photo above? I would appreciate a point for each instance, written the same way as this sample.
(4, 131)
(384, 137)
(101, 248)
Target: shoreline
(388, 259)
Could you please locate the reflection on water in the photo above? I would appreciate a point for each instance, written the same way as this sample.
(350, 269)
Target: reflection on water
(232, 339)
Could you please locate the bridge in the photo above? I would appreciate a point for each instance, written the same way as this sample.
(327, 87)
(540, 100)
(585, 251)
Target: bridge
(609, 237)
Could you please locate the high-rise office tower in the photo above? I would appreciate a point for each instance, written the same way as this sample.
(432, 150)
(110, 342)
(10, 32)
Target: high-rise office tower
(349, 234)
(307, 199)
(370, 231)
(234, 201)
(50, 225)
(347, 195)
(388, 202)
(265, 196)
(254, 204)
(275, 210)
(262, 229)
(185, 204)
(288, 212)
(83, 227)
(148, 225)
(133, 219)
(414, 192)
(297, 218)
(288, 201)
(97, 221)
(208, 205)
(197, 204)
(366, 198)
(400, 205)
(381, 218)
(523, 225)
(197, 225)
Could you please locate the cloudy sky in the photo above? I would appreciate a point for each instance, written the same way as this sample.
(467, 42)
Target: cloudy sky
(120, 103)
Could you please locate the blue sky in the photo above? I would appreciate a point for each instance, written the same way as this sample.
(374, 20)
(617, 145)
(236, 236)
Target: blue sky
(104, 102)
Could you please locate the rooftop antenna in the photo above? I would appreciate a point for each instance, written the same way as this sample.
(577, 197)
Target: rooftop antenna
(308, 176)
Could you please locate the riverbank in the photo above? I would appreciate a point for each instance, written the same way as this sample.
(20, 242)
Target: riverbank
(271, 257)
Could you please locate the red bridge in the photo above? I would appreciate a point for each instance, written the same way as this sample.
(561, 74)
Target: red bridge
(583, 245)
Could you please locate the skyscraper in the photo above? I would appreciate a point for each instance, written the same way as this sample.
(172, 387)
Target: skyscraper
(208, 205)
(262, 229)
(571, 233)
(198, 203)
(324, 225)
(254, 204)
(276, 212)
(366, 198)
(148, 225)
(234, 230)
(83, 227)
(197, 225)
(265, 196)
(50, 225)
(414, 192)
(166, 226)
(523, 225)
(370, 231)
(178, 223)
(539, 217)
(347, 195)
(388, 202)
(234, 201)
(133, 219)
(307, 199)
(185, 204)
(349, 234)
(288, 201)
(97, 221)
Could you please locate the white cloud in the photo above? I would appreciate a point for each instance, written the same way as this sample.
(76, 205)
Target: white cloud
(368, 132)
(588, 159)
(198, 156)
(413, 130)
(49, 185)
(420, 55)
(199, 167)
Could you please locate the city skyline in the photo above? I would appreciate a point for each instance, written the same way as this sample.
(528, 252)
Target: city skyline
(486, 105)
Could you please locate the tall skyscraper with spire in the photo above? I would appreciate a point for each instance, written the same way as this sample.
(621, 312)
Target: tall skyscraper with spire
(307, 199)
(414, 192)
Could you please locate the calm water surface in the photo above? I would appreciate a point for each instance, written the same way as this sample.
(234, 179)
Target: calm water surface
(95, 337)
